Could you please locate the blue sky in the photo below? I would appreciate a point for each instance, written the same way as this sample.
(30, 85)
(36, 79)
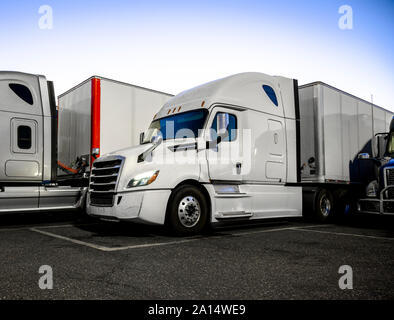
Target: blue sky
(174, 45)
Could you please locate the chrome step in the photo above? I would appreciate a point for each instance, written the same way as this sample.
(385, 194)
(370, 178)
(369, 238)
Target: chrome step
(233, 215)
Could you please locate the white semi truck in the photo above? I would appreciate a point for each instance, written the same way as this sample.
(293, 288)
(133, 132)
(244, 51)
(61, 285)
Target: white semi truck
(99, 115)
(249, 146)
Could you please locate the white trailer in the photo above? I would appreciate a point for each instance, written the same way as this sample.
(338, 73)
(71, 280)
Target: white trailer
(99, 116)
(335, 128)
(249, 146)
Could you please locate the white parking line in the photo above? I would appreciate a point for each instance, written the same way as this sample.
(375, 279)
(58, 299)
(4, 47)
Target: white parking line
(28, 227)
(148, 245)
(277, 229)
(103, 248)
(345, 234)
(69, 239)
(70, 225)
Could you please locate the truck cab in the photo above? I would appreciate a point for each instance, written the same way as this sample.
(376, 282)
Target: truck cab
(379, 194)
(28, 145)
(223, 151)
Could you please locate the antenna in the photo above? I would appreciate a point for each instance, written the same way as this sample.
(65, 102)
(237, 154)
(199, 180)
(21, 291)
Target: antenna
(373, 146)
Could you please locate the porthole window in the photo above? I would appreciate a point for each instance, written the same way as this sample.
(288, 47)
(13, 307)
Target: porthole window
(271, 94)
(24, 137)
(22, 92)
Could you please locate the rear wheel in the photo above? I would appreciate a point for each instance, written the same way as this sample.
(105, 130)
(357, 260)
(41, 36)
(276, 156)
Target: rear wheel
(187, 210)
(324, 205)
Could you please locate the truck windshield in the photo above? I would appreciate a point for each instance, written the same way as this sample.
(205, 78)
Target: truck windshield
(182, 125)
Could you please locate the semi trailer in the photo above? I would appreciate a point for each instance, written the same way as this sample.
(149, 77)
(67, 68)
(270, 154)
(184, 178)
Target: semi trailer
(246, 147)
(96, 116)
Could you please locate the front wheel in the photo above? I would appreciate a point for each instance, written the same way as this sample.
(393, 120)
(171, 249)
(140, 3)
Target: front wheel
(187, 210)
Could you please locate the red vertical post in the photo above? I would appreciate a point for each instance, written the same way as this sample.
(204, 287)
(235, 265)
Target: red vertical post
(95, 119)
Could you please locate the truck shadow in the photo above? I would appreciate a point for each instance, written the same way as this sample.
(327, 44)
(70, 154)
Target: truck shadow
(384, 225)
(366, 221)
(98, 228)
(134, 230)
(122, 229)
(19, 219)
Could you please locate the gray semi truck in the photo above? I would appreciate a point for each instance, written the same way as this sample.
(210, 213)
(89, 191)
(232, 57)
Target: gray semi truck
(28, 158)
(46, 152)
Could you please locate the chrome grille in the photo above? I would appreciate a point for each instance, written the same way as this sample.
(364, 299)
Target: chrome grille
(103, 181)
(389, 176)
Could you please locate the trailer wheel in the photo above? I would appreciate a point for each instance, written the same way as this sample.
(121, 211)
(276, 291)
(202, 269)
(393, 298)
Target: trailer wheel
(187, 210)
(324, 205)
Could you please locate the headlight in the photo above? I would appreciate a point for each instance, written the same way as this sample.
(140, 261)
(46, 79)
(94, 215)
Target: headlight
(143, 179)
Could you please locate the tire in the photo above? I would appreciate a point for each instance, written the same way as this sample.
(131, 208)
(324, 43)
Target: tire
(324, 207)
(346, 206)
(187, 211)
(84, 199)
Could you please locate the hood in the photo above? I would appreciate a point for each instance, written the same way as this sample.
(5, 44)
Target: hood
(130, 151)
(390, 163)
(161, 159)
(134, 152)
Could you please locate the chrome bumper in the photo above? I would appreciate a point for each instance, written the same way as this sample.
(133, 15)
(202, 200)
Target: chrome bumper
(384, 205)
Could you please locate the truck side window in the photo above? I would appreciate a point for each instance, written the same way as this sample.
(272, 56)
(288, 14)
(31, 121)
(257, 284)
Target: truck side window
(232, 134)
(271, 94)
(24, 137)
(22, 92)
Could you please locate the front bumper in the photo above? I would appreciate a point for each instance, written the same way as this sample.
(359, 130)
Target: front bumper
(147, 206)
(384, 205)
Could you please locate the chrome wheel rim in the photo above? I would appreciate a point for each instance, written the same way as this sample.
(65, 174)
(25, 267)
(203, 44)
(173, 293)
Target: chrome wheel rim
(325, 206)
(189, 211)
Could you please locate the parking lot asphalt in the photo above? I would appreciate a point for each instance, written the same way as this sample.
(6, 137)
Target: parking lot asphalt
(290, 259)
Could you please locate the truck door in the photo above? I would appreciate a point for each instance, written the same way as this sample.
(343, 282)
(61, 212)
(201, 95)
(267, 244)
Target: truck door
(225, 159)
(24, 162)
(275, 167)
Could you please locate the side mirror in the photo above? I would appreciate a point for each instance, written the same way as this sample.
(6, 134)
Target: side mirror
(156, 140)
(379, 145)
(222, 128)
(363, 156)
(223, 122)
(142, 136)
